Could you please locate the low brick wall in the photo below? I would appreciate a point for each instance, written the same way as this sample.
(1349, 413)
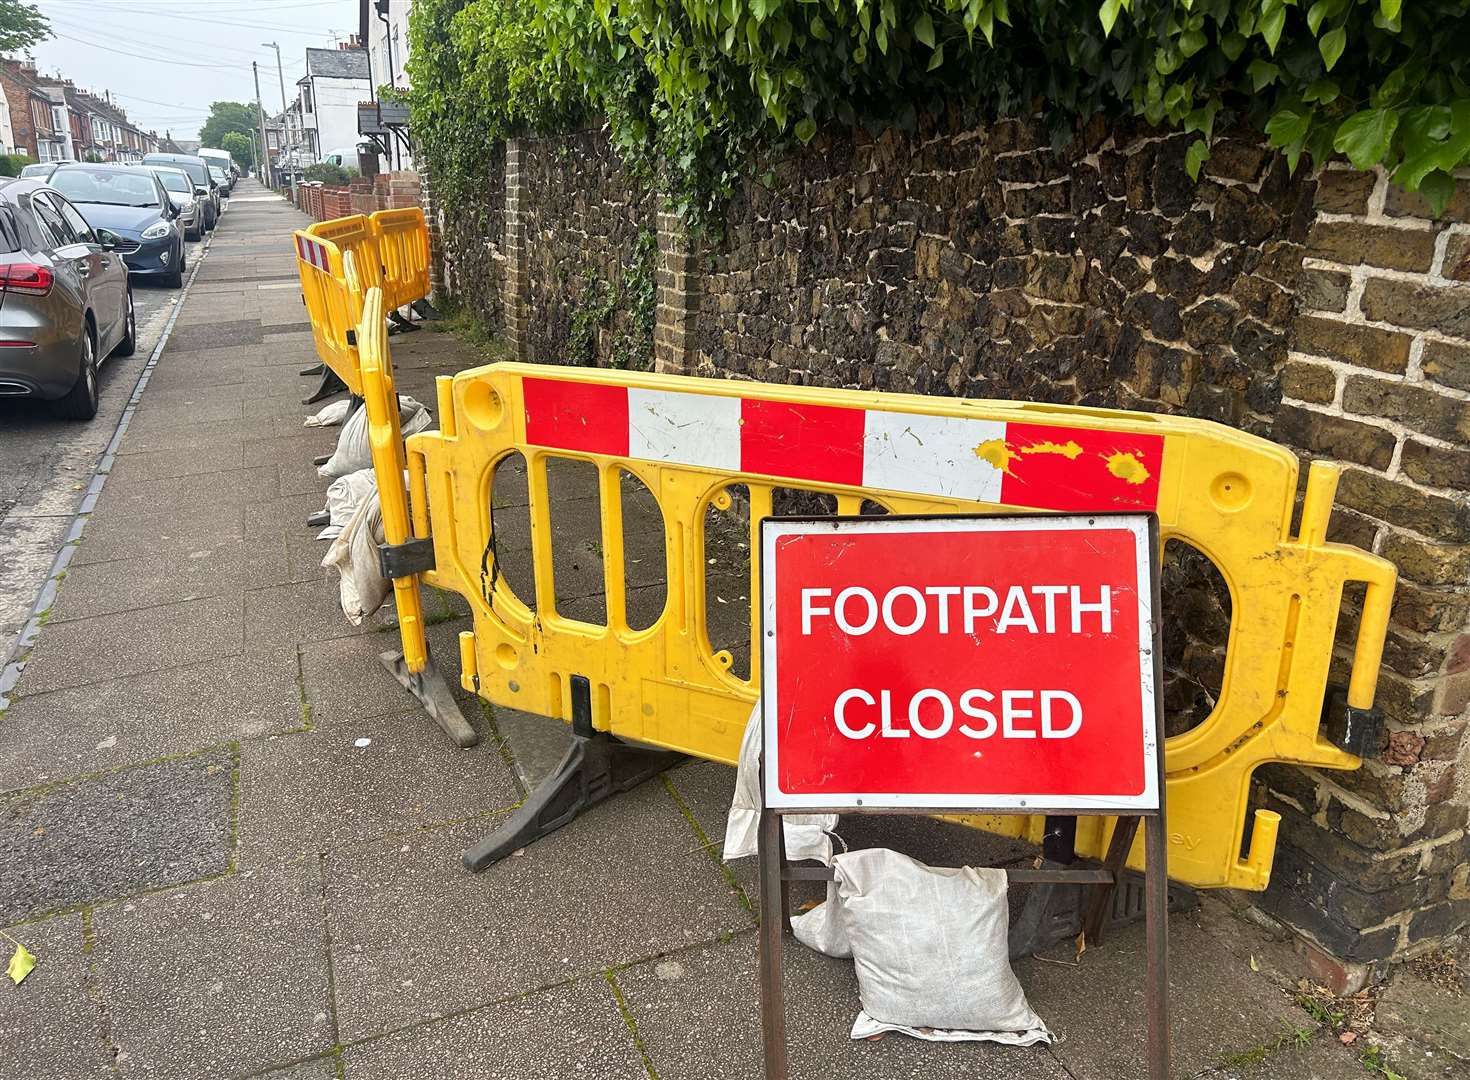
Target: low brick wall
(1328, 313)
(386, 191)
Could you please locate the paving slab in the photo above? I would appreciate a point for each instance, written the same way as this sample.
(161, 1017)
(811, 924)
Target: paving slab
(156, 420)
(1219, 1008)
(245, 955)
(225, 568)
(125, 536)
(1431, 1015)
(128, 643)
(84, 729)
(318, 790)
(215, 334)
(698, 1014)
(344, 680)
(416, 936)
(116, 834)
(183, 496)
(195, 435)
(225, 456)
(52, 1029)
(572, 1032)
(322, 1068)
(287, 514)
(299, 611)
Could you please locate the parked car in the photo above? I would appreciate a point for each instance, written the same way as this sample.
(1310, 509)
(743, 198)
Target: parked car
(39, 169)
(222, 177)
(198, 170)
(222, 160)
(132, 202)
(181, 193)
(65, 300)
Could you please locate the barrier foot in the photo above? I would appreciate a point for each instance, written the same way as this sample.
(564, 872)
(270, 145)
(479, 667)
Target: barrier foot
(595, 767)
(1053, 914)
(315, 369)
(403, 325)
(322, 459)
(433, 693)
(318, 520)
(330, 385)
(425, 310)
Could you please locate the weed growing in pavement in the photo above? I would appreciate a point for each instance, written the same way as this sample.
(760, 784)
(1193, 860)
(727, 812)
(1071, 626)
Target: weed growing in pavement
(465, 323)
(1294, 1037)
(1320, 1011)
(1375, 1062)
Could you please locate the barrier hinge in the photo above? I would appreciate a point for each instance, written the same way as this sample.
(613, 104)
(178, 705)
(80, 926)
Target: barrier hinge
(1358, 731)
(406, 559)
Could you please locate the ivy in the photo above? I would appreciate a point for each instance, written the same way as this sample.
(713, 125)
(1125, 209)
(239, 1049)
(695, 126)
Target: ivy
(688, 87)
(599, 303)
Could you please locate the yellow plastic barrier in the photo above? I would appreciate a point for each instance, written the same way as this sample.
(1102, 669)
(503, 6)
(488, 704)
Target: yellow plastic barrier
(403, 252)
(385, 436)
(356, 238)
(688, 440)
(333, 296)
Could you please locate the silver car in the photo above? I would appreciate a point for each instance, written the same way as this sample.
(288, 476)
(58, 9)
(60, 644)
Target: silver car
(181, 193)
(65, 302)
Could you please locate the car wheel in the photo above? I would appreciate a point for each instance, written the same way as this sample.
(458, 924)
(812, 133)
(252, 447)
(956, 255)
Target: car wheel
(129, 344)
(175, 280)
(80, 402)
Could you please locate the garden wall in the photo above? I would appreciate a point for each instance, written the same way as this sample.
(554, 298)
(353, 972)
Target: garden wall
(1326, 313)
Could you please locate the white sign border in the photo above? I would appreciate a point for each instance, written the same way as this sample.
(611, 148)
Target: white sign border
(1141, 525)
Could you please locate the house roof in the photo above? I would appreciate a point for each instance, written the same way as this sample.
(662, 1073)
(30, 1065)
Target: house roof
(337, 63)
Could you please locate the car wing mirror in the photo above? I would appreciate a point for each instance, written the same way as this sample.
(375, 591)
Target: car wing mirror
(108, 239)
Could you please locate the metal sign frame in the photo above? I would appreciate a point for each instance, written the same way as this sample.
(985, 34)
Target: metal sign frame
(776, 873)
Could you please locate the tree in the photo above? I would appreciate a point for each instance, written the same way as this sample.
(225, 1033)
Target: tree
(224, 117)
(21, 26)
(241, 148)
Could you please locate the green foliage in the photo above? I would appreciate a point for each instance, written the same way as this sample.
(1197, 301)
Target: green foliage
(241, 147)
(689, 86)
(12, 164)
(599, 302)
(227, 116)
(21, 26)
(328, 173)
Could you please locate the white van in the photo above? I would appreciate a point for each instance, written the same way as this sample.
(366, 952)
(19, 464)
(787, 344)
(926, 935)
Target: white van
(221, 159)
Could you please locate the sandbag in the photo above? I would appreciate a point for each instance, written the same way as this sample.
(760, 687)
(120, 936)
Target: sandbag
(355, 450)
(821, 929)
(354, 555)
(330, 415)
(344, 495)
(806, 834)
(929, 945)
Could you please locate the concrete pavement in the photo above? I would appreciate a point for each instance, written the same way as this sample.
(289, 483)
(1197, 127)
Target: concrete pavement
(233, 841)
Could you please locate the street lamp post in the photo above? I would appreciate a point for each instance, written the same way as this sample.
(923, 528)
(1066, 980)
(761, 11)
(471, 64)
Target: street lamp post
(285, 119)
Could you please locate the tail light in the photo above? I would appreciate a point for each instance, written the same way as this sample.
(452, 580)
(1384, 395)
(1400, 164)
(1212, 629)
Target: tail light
(29, 278)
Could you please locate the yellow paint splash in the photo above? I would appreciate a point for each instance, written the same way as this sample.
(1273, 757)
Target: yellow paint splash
(1126, 467)
(1069, 449)
(997, 453)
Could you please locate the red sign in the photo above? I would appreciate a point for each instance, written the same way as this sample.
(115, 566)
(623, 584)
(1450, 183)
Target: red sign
(996, 663)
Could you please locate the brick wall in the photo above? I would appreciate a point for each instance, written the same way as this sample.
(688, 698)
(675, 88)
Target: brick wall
(386, 191)
(17, 90)
(1329, 314)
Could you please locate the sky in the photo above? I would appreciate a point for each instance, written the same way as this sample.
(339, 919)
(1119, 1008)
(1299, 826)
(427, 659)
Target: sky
(165, 61)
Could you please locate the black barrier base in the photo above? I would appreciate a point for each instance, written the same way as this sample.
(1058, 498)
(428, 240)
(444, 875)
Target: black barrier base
(315, 369)
(433, 693)
(399, 323)
(595, 767)
(425, 310)
(330, 385)
(1053, 914)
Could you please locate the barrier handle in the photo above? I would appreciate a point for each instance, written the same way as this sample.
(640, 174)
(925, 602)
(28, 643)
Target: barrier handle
(1372, 630)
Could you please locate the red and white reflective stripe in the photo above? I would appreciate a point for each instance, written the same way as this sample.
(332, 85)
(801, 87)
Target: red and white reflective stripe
(1044, 466)
(310, 251)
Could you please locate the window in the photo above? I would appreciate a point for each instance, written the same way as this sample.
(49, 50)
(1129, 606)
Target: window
(51, 222)
(306, 97)
(79, 226)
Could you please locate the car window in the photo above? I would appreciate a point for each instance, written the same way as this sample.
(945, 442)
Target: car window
(113, 188)
(51, 222)
(9, 233)
(78, 224)
(175, 181)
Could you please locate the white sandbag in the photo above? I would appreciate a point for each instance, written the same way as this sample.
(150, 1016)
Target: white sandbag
(354, 555)
(331, 415)
(355, 450)
(344, 495)
(930, 948)
(821, 928)
(806, 834)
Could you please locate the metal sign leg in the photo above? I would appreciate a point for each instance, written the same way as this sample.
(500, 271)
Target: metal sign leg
(773, 997)
(1156, 887)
